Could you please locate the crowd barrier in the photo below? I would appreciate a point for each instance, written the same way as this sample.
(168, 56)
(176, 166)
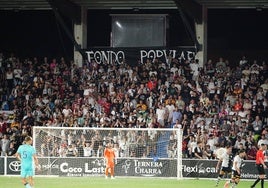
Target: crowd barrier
(138, 167)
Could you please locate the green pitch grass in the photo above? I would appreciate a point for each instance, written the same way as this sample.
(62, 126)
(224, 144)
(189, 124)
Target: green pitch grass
(120, 182)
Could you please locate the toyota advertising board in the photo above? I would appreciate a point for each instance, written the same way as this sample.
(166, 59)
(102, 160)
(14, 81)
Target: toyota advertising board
(13, 166)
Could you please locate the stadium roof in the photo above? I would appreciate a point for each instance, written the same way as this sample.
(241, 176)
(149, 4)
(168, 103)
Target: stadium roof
(131, 4)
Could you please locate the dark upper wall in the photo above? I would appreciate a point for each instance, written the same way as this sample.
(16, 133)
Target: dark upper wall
(230, 32)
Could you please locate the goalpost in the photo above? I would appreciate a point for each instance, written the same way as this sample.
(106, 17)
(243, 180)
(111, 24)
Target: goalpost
(78, 151)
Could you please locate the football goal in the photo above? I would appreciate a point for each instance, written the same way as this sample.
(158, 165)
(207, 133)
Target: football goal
(78, 151)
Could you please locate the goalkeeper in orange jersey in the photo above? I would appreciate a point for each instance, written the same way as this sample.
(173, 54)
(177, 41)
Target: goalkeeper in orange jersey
(109, 156)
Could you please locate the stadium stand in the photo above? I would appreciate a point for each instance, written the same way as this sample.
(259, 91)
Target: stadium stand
(216, 105)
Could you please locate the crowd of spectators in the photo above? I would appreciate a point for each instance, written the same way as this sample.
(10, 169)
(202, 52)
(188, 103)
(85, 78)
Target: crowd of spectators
(216, 104)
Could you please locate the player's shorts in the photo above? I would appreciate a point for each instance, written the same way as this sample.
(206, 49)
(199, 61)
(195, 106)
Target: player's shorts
(235, 175)
(110, 163)
(260, 169)
(226, 170)
(26, 173)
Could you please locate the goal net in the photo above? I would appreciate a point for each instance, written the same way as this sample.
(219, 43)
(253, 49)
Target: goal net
(75, 151)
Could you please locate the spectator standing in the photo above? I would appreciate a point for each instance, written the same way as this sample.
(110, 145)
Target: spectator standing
(251, 153)
(9, 80)
(4, 144)
(17, 74)
(88, 149)
(243, 61)
(262, 140)
(194, 69)
(161, 115)
(198, 150)
(3, 126)
(11, 150)
(212, 142)
(211, 88)
(257, 125)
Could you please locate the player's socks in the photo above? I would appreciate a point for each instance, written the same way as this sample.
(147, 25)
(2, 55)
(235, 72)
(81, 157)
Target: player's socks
(217, 181)
(256, 182)
(27, 185)
(233, 185)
